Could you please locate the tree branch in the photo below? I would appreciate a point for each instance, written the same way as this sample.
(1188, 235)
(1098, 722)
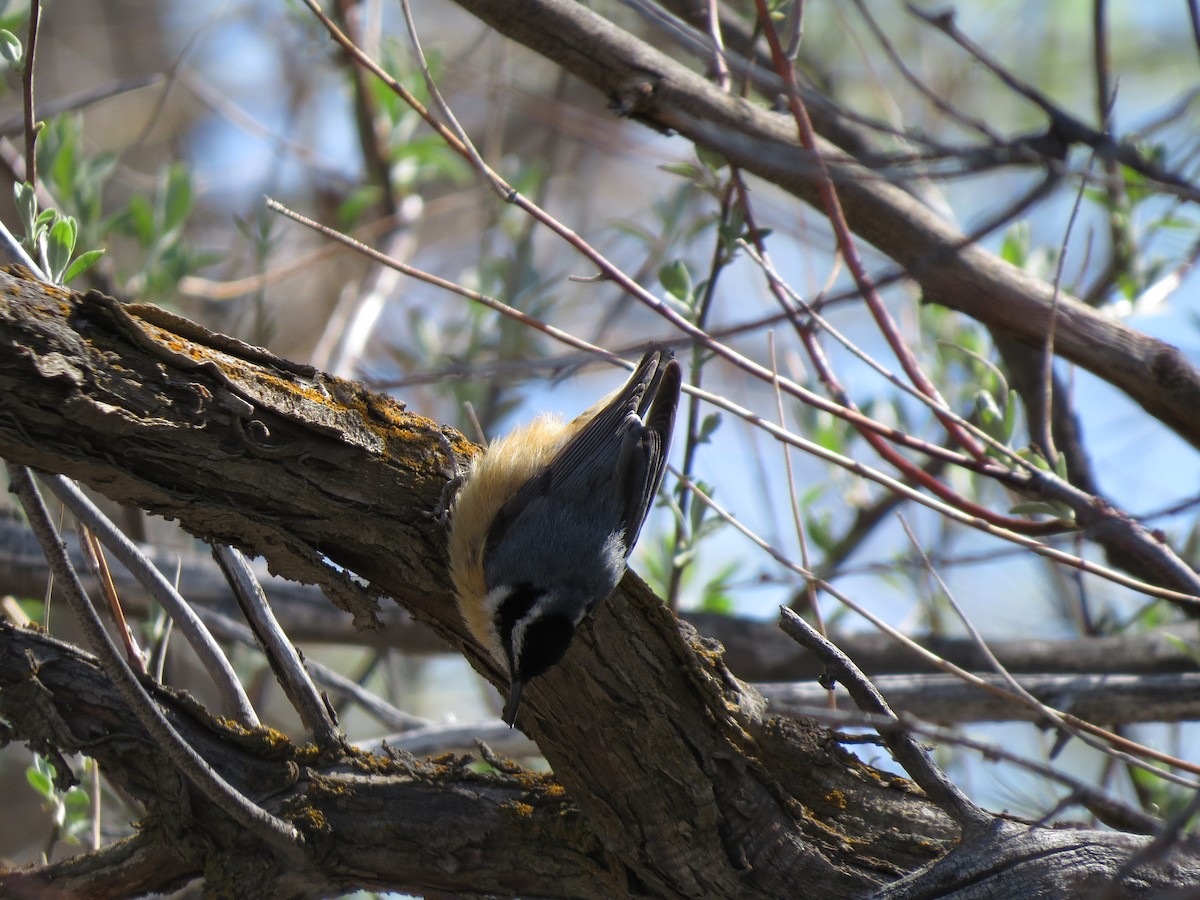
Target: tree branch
(395, 823)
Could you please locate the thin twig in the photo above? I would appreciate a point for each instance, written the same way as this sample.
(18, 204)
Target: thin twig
(234, 701)
(907, 752)
(720, 66)
(810, 588)
(283, 658)
(31, 123)
(371, 703)
(1091, 734)
(1095, 800)
(846, 244)
(89, 96)
(1064, 127)
(718, 262)
(94, 554)
(498, 184)
(1047, 398)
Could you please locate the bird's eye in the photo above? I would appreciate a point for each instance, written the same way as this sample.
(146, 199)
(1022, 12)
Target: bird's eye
(513, 608)
(545, 641)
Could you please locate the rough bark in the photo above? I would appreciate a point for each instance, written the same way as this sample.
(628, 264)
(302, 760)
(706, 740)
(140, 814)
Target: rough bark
(370, 821)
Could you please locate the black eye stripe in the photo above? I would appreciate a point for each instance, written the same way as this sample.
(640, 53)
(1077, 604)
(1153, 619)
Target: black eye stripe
(546, 640)
(513, 608)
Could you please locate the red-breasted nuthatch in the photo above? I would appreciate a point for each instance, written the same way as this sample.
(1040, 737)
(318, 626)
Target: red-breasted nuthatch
(543, 523)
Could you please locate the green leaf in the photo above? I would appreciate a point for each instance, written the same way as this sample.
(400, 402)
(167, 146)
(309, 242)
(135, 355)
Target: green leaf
(40, 781)
(676, 279)
(140, 217)
(76, 819)
(357, 203)
(819, 528)
(829, 433)
(1015, 246)
(27, 206)
(1010, 415)
(813, 494)
(991, 418)
(716, 599)
(82, 263)
(178, 200)
(708, 426)
(1060, 466)
(60, 246)
(699, 510)
(11, 50)
(711, 159)
(684, 170)
(65, 163)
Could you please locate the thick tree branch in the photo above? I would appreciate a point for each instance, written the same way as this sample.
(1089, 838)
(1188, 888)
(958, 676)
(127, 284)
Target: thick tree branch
(372, 820)
(1115, 699)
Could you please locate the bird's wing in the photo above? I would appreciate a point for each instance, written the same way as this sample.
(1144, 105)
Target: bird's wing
(586, 461)
(644, 454)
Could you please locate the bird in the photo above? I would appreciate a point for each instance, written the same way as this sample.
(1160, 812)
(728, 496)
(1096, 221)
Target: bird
(544, 520)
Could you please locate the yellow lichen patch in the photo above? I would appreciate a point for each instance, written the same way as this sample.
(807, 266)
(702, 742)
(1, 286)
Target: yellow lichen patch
(309, 819)
(524, 810)
(308, 753)
(321, 787)
(836, 799)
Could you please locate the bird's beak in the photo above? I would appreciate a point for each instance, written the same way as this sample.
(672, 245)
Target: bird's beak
(514, 699)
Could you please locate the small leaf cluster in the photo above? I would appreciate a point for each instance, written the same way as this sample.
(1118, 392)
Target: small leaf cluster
(70, 809)
(78, 179)
(50, 238)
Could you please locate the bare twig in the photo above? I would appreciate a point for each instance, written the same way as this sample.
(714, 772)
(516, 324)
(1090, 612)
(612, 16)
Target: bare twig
(1126, 749)
(1115, 698)
(846, 243)
(1063, 126)
(235, 703)
(908, 753)
(94, 554)
(31, 124)
(1108, 808)
(371, 703)
(283, 657)
(810, 589)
